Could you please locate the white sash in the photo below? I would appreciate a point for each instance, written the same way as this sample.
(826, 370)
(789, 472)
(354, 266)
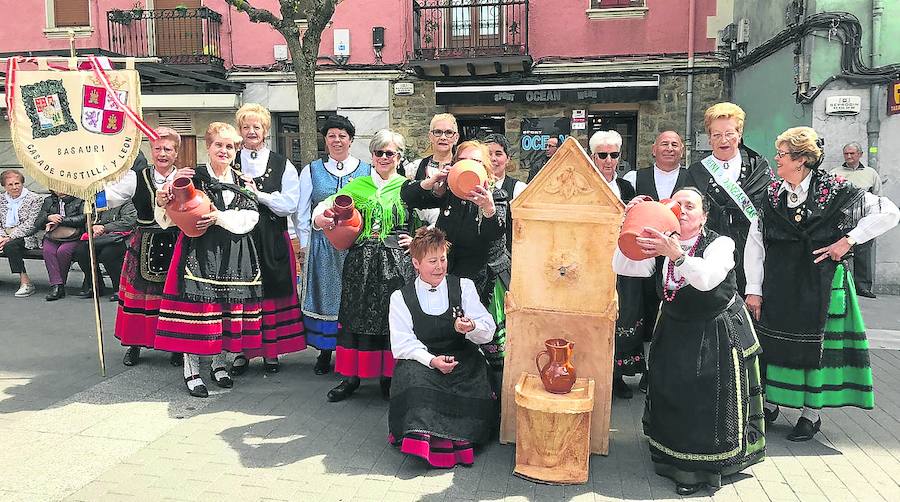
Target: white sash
(731, 188)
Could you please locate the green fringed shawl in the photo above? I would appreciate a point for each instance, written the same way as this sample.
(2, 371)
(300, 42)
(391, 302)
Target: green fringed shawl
(376, 205)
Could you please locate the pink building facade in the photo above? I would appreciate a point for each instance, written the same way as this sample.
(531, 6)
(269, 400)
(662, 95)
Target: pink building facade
(527, 68)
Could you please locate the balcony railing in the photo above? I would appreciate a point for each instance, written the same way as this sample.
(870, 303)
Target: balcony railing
(176, 36)
(446, 29)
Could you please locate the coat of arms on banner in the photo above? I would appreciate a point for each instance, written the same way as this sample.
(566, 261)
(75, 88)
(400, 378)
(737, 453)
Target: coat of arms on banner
(99, 113)
(47, 106)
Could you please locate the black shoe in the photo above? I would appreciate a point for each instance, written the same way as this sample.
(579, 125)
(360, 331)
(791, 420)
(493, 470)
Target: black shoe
(56, 292)
(865, 293)
(386, 388)
(644, 383)
(771, 416)
(199, 390)
(323, 363)
(132, 356)
(114, 297)
(683, 489)
(225, 382)
(343, 390)
(85, 293)
(271, 367)
(620, 388)
(805, 429)
(239, 365)
(176, 359)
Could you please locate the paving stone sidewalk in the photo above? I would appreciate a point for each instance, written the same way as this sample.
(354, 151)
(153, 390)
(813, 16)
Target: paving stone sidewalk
(69, 434)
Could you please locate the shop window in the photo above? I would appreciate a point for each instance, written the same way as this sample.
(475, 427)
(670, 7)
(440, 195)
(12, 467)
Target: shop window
(616, 9)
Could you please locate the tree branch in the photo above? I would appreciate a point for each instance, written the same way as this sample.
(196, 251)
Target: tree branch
(258, 15)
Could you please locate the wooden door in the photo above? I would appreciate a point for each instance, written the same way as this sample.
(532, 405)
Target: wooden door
(472, 26)
(177, 34)
(187, 152)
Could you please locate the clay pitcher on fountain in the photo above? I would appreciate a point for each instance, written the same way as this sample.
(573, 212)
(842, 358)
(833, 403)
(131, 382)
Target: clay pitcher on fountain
(347, 223)
(662, 216)
(558, 374)
(188, 206)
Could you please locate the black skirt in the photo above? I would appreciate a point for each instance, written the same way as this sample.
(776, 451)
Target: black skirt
(372, 271)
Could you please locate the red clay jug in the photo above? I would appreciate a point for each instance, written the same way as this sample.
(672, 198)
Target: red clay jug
(347, 223)
(663, 216)
(464, 176)
(558, 375)
(188, 206)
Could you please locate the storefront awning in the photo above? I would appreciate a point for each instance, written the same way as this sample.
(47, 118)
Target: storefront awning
(616, 91)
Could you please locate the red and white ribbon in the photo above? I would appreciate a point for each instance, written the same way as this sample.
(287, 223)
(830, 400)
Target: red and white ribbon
(100, 73)
(12, 65)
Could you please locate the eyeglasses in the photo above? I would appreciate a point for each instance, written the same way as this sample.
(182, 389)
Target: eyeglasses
(440, 132)
(779, 154)
(603, 155)
(385, 153)
(730, 136)
(473, 160)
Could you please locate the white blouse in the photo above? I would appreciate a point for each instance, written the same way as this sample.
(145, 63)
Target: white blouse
(880, 215)
(704, 273)
(283, 202)
(236, 221)
(302, 217)
(405, 344)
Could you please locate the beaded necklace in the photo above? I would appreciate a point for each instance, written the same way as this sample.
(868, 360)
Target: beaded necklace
(668, 294)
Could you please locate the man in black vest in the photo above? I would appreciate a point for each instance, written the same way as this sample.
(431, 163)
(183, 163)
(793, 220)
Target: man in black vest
(660, 182)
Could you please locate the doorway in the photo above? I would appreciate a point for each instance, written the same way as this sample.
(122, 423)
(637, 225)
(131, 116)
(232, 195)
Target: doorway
(286, 133)
(177, 34)
(624, 123)
(479, 126)
(187, 151)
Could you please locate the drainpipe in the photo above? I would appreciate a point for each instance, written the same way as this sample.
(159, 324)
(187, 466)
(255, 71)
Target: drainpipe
(688, 118)
(873, 126)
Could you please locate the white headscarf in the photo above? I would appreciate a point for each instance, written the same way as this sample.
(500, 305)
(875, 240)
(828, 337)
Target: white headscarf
(13, 206)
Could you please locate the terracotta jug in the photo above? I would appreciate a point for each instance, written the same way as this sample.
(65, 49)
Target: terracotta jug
(188, 206)
(347, 223)
(558, 375)
(663, 216)
(464, 176)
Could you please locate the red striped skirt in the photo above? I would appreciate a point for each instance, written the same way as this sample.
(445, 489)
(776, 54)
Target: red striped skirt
(139, 297)
(364, 356)
(204, 328)
(437, 451)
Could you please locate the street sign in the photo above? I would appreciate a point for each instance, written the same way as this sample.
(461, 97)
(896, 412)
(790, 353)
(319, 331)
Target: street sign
(893, 98)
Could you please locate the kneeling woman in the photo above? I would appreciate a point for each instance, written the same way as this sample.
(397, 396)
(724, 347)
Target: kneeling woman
(213, 291)
(703, 414)
(441, 400)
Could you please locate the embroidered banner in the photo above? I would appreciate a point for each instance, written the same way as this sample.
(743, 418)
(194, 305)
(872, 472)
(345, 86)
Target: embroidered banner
(72, 130)
(731, 188)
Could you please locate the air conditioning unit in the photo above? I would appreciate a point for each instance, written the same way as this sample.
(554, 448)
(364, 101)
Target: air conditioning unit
(280, 52)
(342, 42)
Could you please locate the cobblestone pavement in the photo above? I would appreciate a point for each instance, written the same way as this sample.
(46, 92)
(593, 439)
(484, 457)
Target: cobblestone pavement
(69, 434)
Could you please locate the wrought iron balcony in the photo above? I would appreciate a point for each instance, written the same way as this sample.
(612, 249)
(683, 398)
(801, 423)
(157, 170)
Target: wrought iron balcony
(472, 30)
(178, 36)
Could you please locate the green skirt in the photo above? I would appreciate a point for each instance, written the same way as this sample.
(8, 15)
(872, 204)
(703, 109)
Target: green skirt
(844, 377)
(495, 350)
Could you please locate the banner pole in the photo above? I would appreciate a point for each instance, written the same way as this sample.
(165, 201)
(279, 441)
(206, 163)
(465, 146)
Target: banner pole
(90, 211)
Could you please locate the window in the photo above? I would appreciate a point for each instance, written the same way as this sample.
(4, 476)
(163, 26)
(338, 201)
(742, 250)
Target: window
(616, 9)
(616, 4)
(70, 13)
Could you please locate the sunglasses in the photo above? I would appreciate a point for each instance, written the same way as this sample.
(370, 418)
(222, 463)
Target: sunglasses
(603, 155)
(385, 153)
(440, 132)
